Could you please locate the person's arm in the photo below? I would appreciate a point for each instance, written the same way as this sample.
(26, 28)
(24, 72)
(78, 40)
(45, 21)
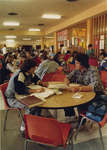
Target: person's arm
(80, 89)
(10, 67)
(21, 88)
(37, 81)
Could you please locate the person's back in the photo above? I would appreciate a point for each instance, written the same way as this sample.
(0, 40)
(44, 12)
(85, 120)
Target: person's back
(47, 66)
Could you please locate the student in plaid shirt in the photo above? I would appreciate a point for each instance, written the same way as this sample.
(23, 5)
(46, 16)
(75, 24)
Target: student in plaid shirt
(88, 77)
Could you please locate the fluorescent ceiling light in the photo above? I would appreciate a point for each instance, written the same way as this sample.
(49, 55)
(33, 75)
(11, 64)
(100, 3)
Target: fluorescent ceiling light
(49, 37)
(10, 41)
(10, 37)
(33, 29)
(11, 23)
(51, 16)
(26, 39)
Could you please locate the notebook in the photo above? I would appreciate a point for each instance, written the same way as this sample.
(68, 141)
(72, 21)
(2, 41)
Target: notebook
(31, 101)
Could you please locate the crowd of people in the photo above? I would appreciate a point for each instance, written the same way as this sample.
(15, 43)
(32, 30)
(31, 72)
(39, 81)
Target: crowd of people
(24, 67)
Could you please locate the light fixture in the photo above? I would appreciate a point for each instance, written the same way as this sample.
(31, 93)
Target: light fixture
(11, 23)
(34, 29)
(10, 36)
(49, 37)
(26, 39)
(71, 0)
(12, 13)
(51, 16)
(10, 41)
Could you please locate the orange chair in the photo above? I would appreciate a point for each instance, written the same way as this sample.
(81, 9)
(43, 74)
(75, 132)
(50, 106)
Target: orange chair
(99, 124)
(55, 76)
(47, 131)
(104, 78)
(6, 106)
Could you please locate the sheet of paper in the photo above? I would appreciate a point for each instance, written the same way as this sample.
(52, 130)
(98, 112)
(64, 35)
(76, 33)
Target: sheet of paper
(45, 94)
(77, 95)
(57, 85)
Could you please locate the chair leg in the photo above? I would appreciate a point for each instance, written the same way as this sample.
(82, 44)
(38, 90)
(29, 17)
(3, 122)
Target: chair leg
(70, 140)
(25, 144)
(20, 114)
(101, 137)
(5, 120)
(79, 127)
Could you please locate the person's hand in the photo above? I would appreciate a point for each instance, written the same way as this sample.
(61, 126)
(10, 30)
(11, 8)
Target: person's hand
(44, 84)
(36, 90)
(73, 89)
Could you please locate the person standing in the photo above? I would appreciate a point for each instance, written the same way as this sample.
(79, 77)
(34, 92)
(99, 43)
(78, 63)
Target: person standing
(90, 50)
(4, 50)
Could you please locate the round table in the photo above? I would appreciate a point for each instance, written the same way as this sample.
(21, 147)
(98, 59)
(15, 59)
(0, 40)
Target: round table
(65, 100)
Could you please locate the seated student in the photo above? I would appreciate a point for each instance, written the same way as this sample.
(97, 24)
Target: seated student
(46, 66)
(28, 53)
(87, 76)
(103, 64)
(59, 58)
(18, 84)
(7, 68)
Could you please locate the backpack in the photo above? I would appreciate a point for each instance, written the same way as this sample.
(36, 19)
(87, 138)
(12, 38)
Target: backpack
(96, 111)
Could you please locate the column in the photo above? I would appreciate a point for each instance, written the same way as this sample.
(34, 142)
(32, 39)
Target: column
(55, 42)
(89, 31)
(42, 43)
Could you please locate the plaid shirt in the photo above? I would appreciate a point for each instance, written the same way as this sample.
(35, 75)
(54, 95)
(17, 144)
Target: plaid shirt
(89, 76)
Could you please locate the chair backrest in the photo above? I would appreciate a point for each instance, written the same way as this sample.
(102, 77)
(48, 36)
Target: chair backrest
(104, 78)
(55, 76)
(3, 88)
(45, 130)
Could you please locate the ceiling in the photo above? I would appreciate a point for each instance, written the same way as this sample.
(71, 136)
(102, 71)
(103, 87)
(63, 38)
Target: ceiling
(30, 12)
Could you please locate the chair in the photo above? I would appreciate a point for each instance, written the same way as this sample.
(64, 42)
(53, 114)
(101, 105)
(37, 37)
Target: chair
(47, 131)
(99, 124)
(57, 76)
(6, 106)
(104, 78)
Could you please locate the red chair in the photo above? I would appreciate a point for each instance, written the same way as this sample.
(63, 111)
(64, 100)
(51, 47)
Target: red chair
(55, 76)
(99, 124)
(47, 131)
(6, 106)
(104, 78)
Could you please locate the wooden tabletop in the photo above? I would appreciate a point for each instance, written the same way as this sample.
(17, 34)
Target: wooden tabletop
(65, 100)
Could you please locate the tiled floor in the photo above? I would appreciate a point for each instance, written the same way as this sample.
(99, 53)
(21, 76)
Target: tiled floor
(12, 140)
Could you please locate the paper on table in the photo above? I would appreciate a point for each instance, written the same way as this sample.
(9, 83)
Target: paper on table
(73, 85)
(77, 95)
(45, 94)
(57, 85)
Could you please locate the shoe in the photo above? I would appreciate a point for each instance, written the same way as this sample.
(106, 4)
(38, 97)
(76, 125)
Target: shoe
(23, 134)
(22, 130)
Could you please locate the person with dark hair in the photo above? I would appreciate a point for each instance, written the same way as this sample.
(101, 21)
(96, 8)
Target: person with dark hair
(87, 77)
(58, 58)
(19, 84)
(90, 50)
(28, 53)
(103, 64)
(7, 68)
